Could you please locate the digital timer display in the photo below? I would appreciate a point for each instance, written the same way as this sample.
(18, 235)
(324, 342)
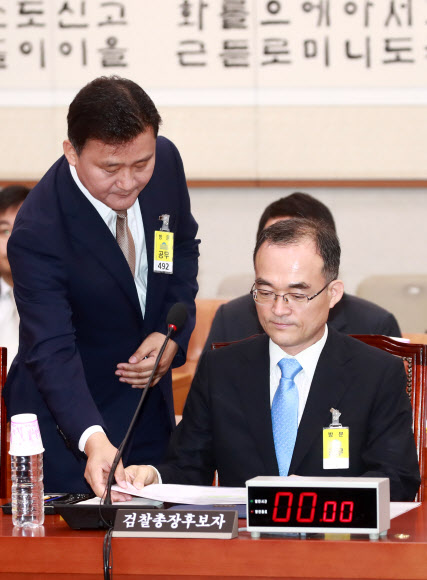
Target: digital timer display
(306, 507)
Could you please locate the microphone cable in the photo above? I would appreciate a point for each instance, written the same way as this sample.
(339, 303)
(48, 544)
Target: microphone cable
(175, 319)
(107, 555)
(107, 546)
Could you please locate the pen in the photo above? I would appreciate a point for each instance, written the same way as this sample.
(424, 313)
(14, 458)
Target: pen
(48, 498)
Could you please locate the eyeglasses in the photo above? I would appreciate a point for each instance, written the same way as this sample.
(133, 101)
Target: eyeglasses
(268, 297)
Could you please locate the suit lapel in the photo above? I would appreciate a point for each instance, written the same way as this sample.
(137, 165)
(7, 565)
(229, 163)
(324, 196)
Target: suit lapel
(254, 392)
(330, 382)
(151, 224)
(87, 226)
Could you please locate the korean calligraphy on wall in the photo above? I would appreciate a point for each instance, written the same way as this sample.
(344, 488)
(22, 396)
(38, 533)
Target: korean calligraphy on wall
(207, 44)
(305, 43)
(44, 43)
(280, 88)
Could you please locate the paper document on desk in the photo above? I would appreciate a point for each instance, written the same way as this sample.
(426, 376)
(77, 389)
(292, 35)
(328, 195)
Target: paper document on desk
(397, 508)
(189, 494)
(136, 502)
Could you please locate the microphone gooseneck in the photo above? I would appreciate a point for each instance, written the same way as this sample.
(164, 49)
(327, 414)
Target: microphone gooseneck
(175, 320)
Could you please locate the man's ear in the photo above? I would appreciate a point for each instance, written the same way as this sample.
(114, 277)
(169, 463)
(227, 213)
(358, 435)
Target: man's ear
(336, 290)
(69, 152)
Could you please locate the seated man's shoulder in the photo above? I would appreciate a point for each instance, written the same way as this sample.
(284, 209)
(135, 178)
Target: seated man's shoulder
(364, 307)
(242, 303)
(234, 320)
(245, 347)
(354, 315)
(368, 354)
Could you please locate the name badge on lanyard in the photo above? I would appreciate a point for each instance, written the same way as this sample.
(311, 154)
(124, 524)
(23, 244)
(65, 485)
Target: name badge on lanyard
(163, 248)
(336, 453)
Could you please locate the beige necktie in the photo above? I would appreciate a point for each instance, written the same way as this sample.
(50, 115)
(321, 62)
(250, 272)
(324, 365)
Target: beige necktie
(125, 240)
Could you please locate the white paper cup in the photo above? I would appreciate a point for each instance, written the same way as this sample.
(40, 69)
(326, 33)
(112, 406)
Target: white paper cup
(25, 438)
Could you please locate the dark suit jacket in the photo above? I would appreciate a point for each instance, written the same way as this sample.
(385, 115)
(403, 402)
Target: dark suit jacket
(238, 319)
(80, 316)
(226, 423)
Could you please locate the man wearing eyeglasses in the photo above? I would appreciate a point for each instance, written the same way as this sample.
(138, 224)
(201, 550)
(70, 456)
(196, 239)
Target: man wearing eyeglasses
(237, 318)
(259, 407)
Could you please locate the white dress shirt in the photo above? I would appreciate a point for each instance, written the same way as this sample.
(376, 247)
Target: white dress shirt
(9, 321)
(136, 227)
(308, 359)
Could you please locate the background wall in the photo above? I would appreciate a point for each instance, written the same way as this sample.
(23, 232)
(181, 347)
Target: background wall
(381, 231)
(251, 90)
(304, 142)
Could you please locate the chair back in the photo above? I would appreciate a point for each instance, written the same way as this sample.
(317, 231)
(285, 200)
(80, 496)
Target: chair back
(182, 376)
(415, 337)
(216, 345)
(415, 359)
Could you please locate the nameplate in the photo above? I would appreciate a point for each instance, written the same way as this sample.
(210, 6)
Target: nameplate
(209, 524)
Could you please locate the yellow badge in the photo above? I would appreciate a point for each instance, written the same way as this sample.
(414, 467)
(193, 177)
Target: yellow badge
(336, 453)
(163, 252)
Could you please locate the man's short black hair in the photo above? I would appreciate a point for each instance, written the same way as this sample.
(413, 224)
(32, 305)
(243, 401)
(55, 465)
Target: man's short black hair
(295, 230)
(110, 109)
(12, 196)
(298, 204)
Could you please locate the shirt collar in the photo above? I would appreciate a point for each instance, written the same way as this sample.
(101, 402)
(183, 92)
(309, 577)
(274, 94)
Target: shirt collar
(103, 210)
(5, 289)
(307, 358)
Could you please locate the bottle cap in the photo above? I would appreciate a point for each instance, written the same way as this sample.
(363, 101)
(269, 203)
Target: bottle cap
(25, 438)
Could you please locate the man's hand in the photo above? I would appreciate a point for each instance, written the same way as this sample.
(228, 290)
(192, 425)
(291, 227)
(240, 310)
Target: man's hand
(137, 370)
(100, 456)
(141, 475)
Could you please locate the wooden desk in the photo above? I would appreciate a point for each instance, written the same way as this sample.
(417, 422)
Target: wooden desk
(65, 553)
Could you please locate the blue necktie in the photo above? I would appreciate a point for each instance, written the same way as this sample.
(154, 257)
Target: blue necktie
(284, 413)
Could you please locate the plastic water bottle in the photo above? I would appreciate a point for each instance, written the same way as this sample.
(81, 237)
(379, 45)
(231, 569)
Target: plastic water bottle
(27, 490)
(26, 452)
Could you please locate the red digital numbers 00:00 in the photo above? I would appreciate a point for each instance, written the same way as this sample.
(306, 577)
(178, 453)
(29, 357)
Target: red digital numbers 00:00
(308, 501)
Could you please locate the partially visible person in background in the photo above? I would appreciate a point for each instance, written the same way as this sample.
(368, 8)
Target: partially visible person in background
(11, 199)
(237, 319)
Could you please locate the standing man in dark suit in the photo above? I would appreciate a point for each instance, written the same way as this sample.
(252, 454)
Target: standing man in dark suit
(238, 319)
(91, 295)
(260, 407)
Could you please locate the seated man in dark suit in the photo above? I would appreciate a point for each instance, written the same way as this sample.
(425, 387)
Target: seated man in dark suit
(259, 407)
(237, 319)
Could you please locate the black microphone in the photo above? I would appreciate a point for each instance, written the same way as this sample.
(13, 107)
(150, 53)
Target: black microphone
(177, 316)
(175, 320)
